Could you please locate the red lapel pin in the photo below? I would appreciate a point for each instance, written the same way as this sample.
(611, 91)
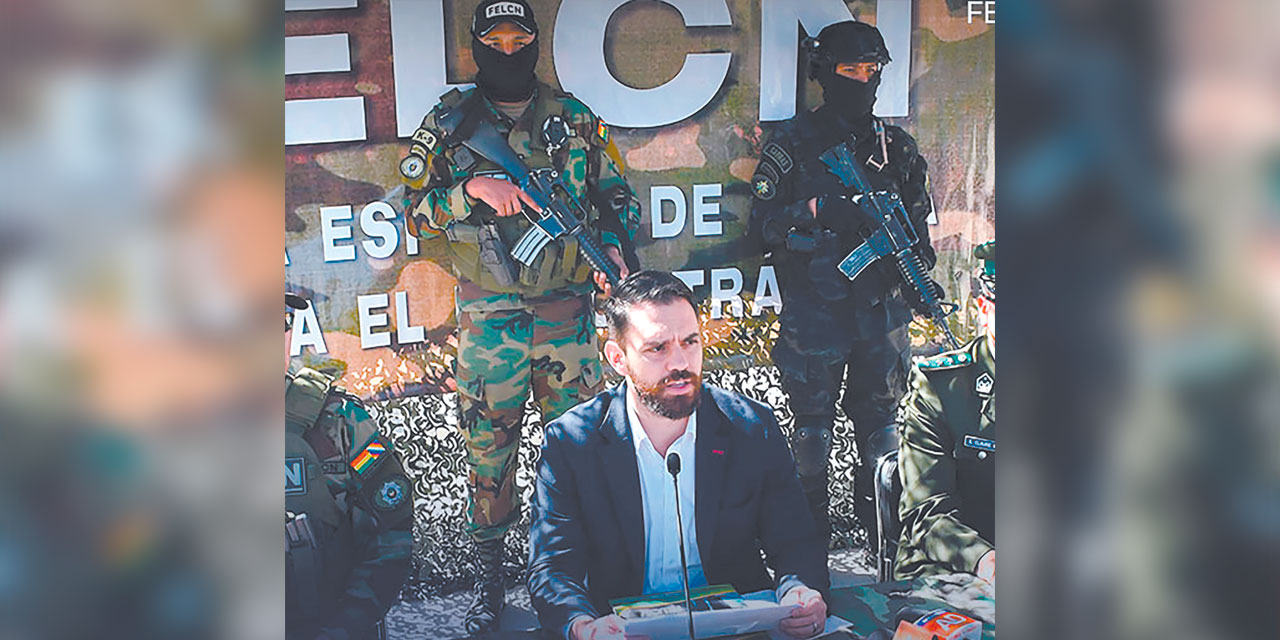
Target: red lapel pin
(717, 452)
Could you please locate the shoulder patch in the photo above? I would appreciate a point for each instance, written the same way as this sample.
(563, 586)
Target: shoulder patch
(370, 456)
(779, 156)
(945, 360)
(295, 476)
(427, 138)
(763, 187)
(393, 492)
(984, 384)
(769, 170)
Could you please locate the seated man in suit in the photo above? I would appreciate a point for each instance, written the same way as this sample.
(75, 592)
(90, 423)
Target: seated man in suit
(604, 511)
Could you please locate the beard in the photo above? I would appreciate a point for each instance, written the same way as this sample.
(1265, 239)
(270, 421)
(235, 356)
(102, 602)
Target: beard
(655, 397)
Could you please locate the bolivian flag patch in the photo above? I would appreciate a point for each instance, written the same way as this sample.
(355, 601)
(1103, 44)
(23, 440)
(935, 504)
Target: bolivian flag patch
(602, 132)
(370, 456)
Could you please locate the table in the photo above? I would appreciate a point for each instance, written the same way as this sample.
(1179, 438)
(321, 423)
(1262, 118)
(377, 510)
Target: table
(875, 606)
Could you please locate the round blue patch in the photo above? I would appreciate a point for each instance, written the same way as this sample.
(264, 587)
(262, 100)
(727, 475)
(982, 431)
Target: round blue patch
(392, 494)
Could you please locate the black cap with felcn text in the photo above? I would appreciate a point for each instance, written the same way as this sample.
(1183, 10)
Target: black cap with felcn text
(491, 13)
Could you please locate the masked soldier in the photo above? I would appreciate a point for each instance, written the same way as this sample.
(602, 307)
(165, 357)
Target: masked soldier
(809, 221)
(348, 513)
(521, 327)
(948, 453)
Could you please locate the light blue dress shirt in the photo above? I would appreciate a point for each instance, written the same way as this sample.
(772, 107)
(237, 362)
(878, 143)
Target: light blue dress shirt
(657, 495)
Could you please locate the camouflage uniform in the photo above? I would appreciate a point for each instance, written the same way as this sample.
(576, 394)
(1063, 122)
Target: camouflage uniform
(537, 331)
(828, 323)
(346, 564)
(947, 463)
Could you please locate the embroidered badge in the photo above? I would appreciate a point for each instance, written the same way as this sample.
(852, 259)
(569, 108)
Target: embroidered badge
(334, 467)
(391, 494)
(370, 456)
(295, 476)
(984, 384)
(982, 444)
(767, 169)
(503, 9)
(427, 138)
(602, 132)
(779, 156)
(763, 187)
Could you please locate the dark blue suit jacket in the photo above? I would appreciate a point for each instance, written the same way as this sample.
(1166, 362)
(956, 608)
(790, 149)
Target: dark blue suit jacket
(587, 542)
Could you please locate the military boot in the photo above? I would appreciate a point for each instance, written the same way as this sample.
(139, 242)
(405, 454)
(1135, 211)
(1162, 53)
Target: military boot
(490, 593)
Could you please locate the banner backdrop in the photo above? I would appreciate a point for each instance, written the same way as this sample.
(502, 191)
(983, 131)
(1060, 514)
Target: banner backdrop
(686, 85)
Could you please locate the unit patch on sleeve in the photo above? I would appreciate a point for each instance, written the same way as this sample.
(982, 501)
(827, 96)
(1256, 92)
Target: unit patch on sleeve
(370, 456)
(393, 492)
(984, 384)
(763, 187)
(295, 476)
(779, 156)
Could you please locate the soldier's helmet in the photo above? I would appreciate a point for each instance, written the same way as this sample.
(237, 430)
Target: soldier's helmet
(986, 252)
(848, 41)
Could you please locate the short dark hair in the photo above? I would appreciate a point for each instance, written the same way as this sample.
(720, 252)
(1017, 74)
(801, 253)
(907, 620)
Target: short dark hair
(648, 286)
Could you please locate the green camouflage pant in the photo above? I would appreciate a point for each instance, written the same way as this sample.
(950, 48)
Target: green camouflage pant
(549, 348)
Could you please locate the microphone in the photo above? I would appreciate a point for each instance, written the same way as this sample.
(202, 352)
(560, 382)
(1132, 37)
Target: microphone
(673, 467)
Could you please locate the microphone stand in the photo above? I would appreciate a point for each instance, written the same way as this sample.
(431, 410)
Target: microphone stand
(673, 467)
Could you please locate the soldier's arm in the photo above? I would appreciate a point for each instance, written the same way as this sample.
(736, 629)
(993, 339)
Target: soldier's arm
(777, 204)
(929, 507)
(380, 500)
(916, 198)
(606, 184)
(443, 198)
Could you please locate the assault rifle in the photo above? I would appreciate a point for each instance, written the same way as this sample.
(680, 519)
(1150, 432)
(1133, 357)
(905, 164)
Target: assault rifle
(562, 214)
(895, 238)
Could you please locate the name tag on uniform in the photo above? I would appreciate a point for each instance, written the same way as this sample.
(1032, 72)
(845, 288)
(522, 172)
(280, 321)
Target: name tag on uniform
(982, 444)
(295, 476)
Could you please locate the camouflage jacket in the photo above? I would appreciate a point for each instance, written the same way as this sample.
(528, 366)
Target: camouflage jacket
(947, 463)
(589, 160)
(346, 478)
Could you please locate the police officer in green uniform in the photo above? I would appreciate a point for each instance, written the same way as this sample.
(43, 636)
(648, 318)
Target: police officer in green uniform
(348, 513)
(947, 454)
(809, 221)
(520, 327)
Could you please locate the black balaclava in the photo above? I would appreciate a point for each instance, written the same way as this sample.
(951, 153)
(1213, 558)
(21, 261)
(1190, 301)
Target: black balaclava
(847, 41)
(502, 77)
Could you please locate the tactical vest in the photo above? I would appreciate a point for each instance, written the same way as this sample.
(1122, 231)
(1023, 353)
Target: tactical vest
(559, 264)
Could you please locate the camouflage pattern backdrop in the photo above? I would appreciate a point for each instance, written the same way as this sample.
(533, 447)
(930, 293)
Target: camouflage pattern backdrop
(383, 319)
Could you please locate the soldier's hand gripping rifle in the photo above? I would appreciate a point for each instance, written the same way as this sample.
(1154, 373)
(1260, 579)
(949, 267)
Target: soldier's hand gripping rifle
(895, 239)
(562, 214)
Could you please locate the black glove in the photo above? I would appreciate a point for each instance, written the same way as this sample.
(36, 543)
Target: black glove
(847, 219)
(916, 301)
